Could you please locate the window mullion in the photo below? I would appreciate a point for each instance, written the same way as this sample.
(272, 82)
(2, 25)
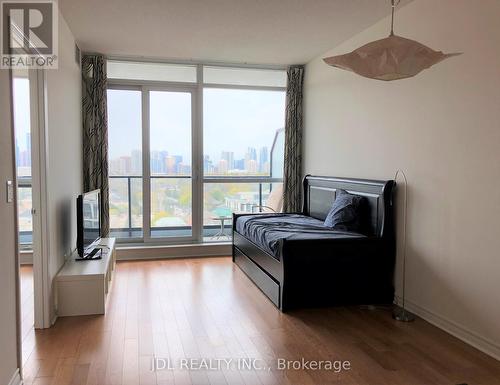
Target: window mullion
(198, 157)
(146, 170)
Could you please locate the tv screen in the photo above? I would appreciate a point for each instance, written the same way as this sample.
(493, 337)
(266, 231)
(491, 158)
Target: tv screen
(89, 220)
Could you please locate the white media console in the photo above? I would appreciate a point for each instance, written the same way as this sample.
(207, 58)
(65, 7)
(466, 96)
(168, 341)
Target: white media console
(83, 286)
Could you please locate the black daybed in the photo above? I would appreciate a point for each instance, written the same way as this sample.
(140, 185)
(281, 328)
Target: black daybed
(298, 262)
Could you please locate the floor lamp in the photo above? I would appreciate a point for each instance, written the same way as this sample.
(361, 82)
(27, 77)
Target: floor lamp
(400, 313)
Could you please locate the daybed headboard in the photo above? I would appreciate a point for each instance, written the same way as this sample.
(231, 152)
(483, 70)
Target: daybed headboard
(319, 194)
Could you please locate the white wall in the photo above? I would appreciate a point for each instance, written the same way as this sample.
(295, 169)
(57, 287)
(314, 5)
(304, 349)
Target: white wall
(64, 127)
(443, 128)
(65, 181)
(8, 247)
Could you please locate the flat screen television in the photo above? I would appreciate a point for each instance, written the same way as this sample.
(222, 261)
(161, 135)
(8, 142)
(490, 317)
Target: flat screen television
(88, 212)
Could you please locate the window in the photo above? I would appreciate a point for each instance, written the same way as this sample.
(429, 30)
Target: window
(170, 157)
(125, 163)
(244, 76)
(151, 71)
(22, 125)
(239, 129)
(188, 191)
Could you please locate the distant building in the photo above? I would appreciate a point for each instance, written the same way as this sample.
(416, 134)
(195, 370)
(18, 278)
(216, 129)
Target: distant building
(170, 165)
(184, 169)
(136, 168)
(239, 164)
(222, 167)
(228, 156)
(25, 157)
(251, 166)
(208, 167)
(125, 165)
(178, 160)
(18, 154)
(163, 157)
(251, 160)
(120, 166)
(156, 162)
(28, 149)
(251, 153)
(114, 166)
(263, 160)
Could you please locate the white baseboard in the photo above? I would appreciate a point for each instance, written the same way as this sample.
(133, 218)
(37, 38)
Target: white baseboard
(124, 252)
(16, 378)
(490, 348)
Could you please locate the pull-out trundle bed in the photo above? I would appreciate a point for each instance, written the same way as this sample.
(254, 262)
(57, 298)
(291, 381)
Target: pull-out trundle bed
(298, 262)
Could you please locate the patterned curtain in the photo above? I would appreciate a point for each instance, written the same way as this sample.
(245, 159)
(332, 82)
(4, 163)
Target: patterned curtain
(95, 132)
(292, 174)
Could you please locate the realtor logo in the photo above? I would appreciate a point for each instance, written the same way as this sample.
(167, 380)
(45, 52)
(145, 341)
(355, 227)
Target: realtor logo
(29, 34)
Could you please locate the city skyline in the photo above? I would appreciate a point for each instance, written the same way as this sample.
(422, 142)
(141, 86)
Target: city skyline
(228, 117)
(162, 162)
(23, 157)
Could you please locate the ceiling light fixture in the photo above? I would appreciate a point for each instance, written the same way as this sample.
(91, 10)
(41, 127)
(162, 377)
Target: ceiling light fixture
(388, 59)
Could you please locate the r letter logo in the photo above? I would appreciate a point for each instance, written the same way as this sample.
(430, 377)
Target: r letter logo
(29, 34)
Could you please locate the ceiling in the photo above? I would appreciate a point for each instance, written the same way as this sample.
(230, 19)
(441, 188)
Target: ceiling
(234, 31)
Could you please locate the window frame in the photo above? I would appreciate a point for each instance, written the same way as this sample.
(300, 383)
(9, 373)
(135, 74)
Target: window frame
(197, 176)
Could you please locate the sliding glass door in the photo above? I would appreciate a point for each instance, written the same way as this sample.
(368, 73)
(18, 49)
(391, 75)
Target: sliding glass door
(240, 130)
(189, 145)
(125, 163)
(151, 163)
(170, 163)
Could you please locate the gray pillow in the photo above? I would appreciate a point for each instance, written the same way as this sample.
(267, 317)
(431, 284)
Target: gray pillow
(347, 213)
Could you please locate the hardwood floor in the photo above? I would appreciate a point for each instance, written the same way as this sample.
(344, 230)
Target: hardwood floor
(207, 308)
(27, 311)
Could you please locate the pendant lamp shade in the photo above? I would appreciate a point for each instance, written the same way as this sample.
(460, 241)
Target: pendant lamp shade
(387, 59)
(392, 58)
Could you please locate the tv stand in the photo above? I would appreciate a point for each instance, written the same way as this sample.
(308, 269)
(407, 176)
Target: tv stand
(83, 286)
(93, 255)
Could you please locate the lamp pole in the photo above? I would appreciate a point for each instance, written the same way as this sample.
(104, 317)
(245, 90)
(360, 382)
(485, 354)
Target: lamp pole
(400, 313)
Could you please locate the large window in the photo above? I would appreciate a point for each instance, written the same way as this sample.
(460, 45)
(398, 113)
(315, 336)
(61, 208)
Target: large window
(170, 157)
(151, 71)
(22, 126)
(125, 162)
(239, 129)
(212, 146)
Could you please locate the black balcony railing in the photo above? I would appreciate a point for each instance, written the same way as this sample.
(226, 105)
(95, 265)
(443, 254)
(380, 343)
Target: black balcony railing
(232, 204)
(264, 183)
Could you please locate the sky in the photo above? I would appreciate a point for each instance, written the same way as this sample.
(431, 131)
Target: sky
(21, 93)
(233, 121)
